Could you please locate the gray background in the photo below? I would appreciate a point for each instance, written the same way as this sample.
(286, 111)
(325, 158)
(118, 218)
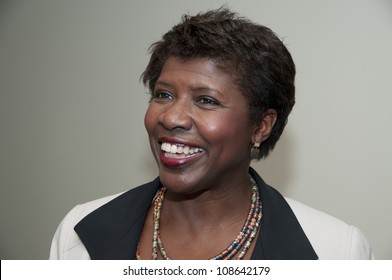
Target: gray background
(72, 108)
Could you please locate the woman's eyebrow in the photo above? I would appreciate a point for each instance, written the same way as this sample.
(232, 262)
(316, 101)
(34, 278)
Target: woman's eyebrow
(205, 89)
(162, 83)
(196, 89)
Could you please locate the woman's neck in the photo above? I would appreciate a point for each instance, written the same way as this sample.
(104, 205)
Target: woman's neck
(209, 208)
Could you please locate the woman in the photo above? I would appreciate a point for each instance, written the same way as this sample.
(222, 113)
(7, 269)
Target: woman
(221, 88)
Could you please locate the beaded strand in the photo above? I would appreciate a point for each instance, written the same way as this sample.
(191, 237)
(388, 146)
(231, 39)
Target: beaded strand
(245, 235)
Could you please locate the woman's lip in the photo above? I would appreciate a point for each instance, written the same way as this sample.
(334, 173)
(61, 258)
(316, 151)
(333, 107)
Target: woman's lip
(175, 141)
(177, 162)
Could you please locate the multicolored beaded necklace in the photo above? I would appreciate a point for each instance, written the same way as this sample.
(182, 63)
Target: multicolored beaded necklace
(238, 247)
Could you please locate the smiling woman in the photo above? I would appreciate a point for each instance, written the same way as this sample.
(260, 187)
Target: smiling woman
(221, 89)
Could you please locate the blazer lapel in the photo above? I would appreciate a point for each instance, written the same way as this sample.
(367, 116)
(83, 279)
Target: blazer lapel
(281, 237)
(112, 231)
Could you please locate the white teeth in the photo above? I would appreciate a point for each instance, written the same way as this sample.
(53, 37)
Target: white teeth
(165, 147)
(179, 150)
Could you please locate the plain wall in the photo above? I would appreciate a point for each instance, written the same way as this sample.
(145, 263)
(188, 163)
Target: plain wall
(72, 109)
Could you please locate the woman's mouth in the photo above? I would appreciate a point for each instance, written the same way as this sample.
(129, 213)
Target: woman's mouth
(178, 155)
(179, 150)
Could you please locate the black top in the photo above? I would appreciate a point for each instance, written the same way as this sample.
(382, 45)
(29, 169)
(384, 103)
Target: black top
(113, 230)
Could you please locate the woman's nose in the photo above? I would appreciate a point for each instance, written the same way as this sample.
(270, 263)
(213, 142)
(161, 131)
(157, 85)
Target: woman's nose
(176, 115)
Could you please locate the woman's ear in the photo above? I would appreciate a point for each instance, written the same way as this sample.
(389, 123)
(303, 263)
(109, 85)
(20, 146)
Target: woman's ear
(264, 128)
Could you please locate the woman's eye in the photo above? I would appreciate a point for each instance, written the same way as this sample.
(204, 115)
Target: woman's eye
(162, 95)
(208, 101)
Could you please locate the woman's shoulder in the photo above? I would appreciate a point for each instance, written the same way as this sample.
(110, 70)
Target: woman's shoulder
(66, 243)
(330, 237)
(82, 210)
(123, 198)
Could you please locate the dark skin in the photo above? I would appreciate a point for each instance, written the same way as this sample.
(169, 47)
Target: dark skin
(208, 195)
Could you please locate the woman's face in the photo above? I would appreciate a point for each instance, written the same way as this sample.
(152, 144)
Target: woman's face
(199, 127)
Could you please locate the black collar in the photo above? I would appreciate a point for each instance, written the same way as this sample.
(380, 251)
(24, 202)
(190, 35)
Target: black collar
(112, 231)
